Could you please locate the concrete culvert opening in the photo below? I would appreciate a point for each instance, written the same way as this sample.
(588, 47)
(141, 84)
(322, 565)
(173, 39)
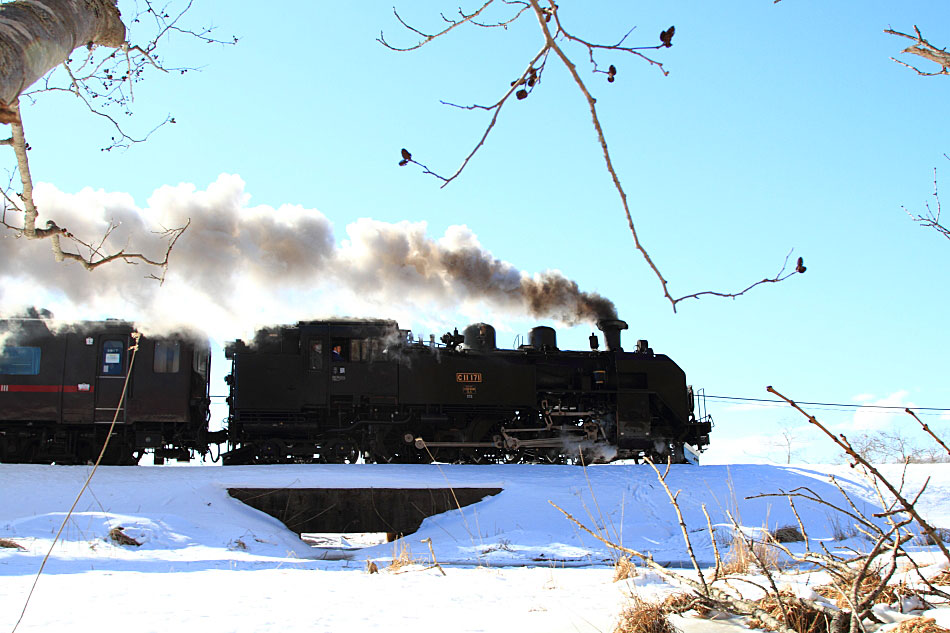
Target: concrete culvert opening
(347, 519)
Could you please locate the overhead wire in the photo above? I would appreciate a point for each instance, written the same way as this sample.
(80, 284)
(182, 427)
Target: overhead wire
(841, 405)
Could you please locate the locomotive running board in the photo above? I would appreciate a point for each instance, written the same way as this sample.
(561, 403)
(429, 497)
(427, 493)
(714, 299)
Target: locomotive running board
(342, 510)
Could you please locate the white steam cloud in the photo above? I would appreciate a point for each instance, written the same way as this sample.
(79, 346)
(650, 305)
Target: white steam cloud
(240, 266)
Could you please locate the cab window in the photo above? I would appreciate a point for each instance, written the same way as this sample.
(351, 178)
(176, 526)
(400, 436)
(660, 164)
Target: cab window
(20, 361)
(167, 357)
(339, 350)
(316, 355)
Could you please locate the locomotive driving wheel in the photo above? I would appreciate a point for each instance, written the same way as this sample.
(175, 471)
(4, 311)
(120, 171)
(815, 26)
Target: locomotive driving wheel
(342, 451)
(272, 451)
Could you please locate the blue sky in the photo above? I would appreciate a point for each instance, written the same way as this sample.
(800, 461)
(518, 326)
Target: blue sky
(780, 126)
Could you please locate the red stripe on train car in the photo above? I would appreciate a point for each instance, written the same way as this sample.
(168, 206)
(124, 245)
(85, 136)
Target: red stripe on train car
(47, 388)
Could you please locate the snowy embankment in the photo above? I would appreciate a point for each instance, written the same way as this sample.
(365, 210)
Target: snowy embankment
(186, 522)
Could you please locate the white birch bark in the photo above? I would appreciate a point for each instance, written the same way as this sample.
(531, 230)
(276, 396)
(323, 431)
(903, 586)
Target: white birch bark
(38, 35)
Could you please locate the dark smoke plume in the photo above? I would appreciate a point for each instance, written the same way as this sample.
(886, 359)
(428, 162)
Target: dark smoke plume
(239, 266)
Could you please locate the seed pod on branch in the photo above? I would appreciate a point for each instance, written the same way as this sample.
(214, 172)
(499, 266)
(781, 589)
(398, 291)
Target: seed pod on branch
(666, 37)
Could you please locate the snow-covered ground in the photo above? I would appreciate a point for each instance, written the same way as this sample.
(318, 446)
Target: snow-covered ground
(512, 561)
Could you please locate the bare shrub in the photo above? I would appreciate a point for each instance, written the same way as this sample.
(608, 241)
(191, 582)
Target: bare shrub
(642, 616)
(869, 573)
(371, 567)
(117, 536)
(5, 542)
(624, 569)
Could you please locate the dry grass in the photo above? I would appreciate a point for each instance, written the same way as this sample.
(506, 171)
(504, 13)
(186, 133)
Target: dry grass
(117, 536)
(800, 617)
(371, 567)
(402, 557)
(644, 617)
(920, 625)
(894, 593)
(7, 543)
(624, 569)
(870, 583)
(683, 602)
(943, 578)
(741, 559)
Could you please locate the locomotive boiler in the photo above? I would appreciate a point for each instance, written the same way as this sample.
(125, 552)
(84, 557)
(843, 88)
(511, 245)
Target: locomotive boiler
(344, 391)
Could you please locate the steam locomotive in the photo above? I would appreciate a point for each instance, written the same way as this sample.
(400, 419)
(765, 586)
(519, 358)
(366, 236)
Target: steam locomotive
(347, 391)
(339, 391)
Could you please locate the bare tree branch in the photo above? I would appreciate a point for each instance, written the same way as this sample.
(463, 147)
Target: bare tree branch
(27, 228)
(679, 516)
(931, 219)
(101, 78)
(530, 78)
(104, 81)
(923, 48)
(928, 431)
(428, 37)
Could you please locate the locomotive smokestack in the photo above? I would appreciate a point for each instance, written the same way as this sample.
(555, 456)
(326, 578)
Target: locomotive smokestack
(611, 329)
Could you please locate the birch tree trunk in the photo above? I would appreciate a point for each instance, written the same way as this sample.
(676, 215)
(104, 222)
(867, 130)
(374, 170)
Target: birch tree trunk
(38, 35)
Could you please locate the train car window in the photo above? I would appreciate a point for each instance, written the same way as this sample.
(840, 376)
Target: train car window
(113, 358)
(167, 357)
(20, 361)
(339, 350)
(201, 361)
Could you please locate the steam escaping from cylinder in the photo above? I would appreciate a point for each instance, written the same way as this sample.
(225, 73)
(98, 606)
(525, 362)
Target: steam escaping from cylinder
(239, 266)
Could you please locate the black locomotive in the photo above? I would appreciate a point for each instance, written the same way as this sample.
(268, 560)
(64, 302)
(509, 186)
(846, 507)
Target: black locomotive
(346, 391)
(339, 392)
(61, 387)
